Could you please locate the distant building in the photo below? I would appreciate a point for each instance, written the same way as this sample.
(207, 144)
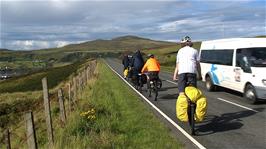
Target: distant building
(5, 73)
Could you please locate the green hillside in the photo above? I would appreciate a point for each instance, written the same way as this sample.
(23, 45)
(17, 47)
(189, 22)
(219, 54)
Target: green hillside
(53, 57)
(117, 44)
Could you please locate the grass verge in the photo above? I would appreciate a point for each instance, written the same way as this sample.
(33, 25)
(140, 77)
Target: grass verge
(115, 118)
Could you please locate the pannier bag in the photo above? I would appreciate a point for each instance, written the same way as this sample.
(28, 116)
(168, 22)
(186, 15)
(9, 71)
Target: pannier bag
(125, 73)
(201, 109)
(196, 96)
(181, 108)
(193, 93)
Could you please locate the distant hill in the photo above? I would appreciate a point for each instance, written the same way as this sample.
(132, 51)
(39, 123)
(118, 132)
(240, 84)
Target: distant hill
(128, 43)
(262, 36)
(4, 50)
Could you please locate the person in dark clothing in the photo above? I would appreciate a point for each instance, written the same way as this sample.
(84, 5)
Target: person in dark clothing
(137, 65)
(125, 62)
(130, 60)
(138, 62)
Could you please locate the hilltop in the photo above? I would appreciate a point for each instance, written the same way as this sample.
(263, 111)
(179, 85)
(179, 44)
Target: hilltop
(4, 50)
(116, 44)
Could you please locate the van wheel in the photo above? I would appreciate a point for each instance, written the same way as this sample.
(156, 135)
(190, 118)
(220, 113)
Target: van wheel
(209, 85)
(250, 94)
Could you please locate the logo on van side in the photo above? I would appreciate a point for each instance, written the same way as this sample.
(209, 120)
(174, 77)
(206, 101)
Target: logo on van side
(213, 75)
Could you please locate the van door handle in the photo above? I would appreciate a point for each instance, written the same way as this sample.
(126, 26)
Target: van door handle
(236, 69)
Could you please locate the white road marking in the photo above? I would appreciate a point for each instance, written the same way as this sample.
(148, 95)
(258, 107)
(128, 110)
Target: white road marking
(237, 105)
(200, 146)
(221, 99)
(171, 82)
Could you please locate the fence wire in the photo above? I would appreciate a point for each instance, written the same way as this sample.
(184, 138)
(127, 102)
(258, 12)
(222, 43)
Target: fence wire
(38, 107)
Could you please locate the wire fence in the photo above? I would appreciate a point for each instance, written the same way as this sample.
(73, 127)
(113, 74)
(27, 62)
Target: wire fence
(67, 95)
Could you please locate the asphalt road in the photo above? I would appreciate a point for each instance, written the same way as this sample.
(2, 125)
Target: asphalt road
(231, 123)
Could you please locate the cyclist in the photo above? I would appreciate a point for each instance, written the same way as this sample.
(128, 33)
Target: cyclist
(152, 67)
(187, 65)
(136, 65)
(130, 64)
(125, 63)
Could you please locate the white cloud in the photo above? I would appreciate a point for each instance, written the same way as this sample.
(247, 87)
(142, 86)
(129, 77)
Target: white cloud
(34, 44)
(194, 23)
(28, 44)
(54, 23)
(61, 43)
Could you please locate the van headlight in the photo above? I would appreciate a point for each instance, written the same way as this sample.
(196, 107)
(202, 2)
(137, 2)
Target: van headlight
(264, 81)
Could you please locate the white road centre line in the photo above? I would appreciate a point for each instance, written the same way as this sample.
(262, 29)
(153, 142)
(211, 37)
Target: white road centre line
(200, 146)
(221, 99)
(171, 82)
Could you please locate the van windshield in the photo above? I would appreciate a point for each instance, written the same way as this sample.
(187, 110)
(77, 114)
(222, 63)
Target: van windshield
(255, 57)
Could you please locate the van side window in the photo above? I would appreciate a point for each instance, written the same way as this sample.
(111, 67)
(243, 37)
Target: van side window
(252, 57)
(222, 57)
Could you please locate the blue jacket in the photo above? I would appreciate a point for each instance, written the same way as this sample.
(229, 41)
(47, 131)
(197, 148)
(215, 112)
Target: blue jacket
(138, 61)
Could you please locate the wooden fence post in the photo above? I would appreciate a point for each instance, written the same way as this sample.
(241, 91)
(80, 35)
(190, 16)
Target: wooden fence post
(80, 82)
(31, 136)
(87, 73)
(69, 97)
(74, 89)
(62, 106)
(90, 70)
(47, 112)
(84, 78)
(7, 139)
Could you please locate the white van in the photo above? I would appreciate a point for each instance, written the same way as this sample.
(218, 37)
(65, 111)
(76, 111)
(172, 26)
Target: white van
(237, 63)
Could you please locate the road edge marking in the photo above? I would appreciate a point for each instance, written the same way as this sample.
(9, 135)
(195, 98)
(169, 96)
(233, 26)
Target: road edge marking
(163, 114)
(221, 99)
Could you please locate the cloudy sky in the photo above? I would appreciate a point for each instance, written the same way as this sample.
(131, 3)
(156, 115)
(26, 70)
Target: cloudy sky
(37, 24)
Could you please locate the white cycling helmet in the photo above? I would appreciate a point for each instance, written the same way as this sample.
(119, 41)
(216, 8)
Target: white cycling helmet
(150, 55)
(185, 39)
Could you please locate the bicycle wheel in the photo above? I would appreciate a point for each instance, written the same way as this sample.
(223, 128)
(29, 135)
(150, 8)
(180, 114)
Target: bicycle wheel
(150, 88)
(192, 118)
(155, 90)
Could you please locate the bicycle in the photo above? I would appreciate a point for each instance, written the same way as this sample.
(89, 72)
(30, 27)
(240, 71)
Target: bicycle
(154, 85)
(191, 112)
(191, 115)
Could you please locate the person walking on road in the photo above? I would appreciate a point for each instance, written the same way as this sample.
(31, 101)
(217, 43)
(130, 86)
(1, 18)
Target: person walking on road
(187, 65)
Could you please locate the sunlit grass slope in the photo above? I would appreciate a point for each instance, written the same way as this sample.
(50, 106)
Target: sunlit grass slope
(121, 119)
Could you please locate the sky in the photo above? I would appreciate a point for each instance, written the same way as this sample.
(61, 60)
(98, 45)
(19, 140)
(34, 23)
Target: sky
(38, 24)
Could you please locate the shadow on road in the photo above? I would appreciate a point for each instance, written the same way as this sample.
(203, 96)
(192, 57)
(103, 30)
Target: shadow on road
(168, 96)
(225, 122)
(167, 88)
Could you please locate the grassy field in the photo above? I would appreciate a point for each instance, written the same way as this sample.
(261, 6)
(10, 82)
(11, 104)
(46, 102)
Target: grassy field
(14, 105)
(32, 82)
(116, 118)
(18, 95)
